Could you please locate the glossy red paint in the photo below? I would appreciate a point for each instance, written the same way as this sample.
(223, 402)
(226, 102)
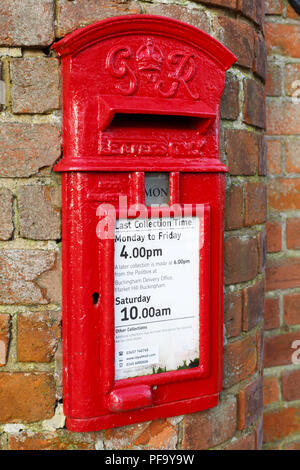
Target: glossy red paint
(140, 94)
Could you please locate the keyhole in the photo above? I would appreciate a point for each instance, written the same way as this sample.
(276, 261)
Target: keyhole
(95, 298)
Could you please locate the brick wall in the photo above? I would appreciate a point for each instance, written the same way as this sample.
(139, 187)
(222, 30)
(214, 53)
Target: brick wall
(30, 314)
(282, 305)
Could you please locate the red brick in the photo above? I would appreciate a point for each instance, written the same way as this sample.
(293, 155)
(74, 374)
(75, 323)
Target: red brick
(238, 37)
(26, 23)
(234, 210)
(73, 15)
(38, 334)
(219, 424)
(283, 273)
(254, 104)
(4, 338)
(230, 107)
(273, 7)
(262, 251)
(274, 80)
(26, 397)
(6, 214)
(243, 151)
(253, 305)
(246, 442)
(281, 423)
(295, 445)
(292, 80)
(159, 435)
(291, 385)
(239, 360)
(292, 309)
(262, 161)
(19, 270)
(283, 118)
(274, 236)
(278, 349)
(26, 148)
(39, 212)
(274, 157)
(250, 403)
(271, 313)
(35, 84)
(260, 343)
(284, 194)
(255, 204)
(60, 440)
(241, 260)
(191, 16)
(283, 39)
(260, 60)
(271, 390)
(51, 282)
(124, 437)
(220, 3)
(233, 313)
(293, 233)
(291, 13)
(292, 164)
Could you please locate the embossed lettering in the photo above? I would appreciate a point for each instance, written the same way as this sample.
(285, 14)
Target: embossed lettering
(117, 65)
(184, 73)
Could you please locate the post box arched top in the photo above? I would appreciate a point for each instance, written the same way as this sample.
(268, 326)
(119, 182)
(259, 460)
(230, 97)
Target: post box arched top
(143, 24)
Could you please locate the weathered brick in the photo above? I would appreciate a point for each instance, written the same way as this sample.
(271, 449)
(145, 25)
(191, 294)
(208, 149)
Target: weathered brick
(262, 251)
(260, 59)
(274, 80)
(50, 441)
(291, 385)
(281, 423)
(253, 10)
(239, 360)
(192, 16)
(124, 437)
(278, 349)
(284, 194)
(260, 344)
(247, 442)
(255, 204)
(291, 12)
(73, 15)
(295, 445)
(6, 214)
(234, 208)
(283, 118)
(230, 107)
(160, 435)
(38, 334)
(274, 157)
(292, 77)
(262, 161)
(19, 270)
(4, 337)
(292, 309)
(293, 233)
(51, 282)
(273, 7)
(283, 39)
(26, 148)
(26, 397)
(35, 84)
(243, 150)
(253, 305)
(26, 23)
(254, 104)
(271, 390)
(233, 313)
(292, 164)
(220, 3)
(250, 403)
(219, 424)
(283, 273)
(238, 37)
(241, 260)
(271, 313)
(274, 236)
(39, 212)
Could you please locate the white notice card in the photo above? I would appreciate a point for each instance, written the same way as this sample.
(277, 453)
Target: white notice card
(156, 295)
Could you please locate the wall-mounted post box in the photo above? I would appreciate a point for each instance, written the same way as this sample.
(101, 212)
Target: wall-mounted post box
(143, 197)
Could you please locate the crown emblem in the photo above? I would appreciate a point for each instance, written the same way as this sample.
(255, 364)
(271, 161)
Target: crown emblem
(149, 57)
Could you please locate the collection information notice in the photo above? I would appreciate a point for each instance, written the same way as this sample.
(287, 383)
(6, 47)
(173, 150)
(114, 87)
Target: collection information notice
(156, 295)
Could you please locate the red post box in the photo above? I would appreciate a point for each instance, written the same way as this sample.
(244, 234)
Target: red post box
(143, 197)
